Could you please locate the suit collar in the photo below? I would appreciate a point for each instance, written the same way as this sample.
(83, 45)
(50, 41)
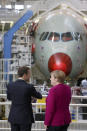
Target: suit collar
(20, 80)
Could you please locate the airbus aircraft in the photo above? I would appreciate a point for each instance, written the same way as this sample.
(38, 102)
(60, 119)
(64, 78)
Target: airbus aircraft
(61, 42)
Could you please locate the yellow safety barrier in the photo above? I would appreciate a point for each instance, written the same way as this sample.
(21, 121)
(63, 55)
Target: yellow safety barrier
(43, 107)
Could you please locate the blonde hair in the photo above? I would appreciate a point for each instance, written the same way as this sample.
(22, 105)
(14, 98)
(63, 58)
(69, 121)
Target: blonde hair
(59, 75)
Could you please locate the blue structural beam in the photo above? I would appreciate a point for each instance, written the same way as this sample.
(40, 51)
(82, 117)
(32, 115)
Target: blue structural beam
(8, 36)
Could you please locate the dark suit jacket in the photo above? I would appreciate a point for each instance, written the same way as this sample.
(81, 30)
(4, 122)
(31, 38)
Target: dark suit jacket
(20, 93)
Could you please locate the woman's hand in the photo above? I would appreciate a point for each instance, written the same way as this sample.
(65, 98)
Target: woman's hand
(45, 126)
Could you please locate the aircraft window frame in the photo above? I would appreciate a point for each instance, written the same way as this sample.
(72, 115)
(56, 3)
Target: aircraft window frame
(41, 36)
(77, 36)
(44, 36)
(65, 38)
(54, 36)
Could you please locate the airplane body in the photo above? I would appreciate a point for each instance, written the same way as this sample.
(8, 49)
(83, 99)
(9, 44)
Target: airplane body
(61, 44)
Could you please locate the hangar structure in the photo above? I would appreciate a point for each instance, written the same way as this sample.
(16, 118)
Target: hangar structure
(18, 26)
(13, 10)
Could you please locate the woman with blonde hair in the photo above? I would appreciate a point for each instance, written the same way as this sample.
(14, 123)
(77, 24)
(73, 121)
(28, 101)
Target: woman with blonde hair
(57, 116)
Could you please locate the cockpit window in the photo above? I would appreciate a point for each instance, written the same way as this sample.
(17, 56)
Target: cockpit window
(77, 36)
(44, 36)
(66, 36)
(41, 36)
(54, 36)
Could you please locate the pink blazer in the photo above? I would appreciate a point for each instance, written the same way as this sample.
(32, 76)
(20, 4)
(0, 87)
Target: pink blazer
(57, 106)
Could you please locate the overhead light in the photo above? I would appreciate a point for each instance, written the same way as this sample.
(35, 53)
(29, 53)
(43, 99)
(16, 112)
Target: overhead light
(19, 7)
(3, 22)
(8, 6)
(29, 6)
(85, 18)
(6, 22)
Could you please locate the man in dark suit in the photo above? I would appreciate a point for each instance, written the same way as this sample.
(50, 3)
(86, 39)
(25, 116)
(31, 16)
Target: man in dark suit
(20, 93)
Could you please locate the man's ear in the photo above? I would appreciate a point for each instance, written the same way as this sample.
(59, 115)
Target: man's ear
(24, 75)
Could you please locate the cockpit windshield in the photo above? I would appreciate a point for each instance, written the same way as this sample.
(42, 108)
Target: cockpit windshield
(64, 37)
(54, 36)
(44, 36)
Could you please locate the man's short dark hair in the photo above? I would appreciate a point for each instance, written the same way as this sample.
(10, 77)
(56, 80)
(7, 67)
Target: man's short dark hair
(23, 70)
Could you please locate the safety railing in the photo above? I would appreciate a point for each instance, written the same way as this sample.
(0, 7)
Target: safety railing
(77, 124)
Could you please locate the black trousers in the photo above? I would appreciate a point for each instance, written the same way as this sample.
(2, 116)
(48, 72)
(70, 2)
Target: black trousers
(84, 109)
(18, 127)
(58, 128)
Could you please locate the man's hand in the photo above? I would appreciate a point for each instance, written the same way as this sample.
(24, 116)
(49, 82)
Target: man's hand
(33, 100)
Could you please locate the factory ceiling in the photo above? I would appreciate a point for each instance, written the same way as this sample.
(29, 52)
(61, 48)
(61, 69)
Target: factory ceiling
(14, 9)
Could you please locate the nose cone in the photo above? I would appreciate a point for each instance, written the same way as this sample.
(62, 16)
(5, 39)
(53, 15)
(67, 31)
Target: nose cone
(60, 61)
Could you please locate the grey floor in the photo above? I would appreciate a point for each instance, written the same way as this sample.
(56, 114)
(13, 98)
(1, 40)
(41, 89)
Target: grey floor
(39, 126)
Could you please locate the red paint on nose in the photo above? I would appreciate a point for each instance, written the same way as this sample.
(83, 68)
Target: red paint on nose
(33, 48)
(60, 61)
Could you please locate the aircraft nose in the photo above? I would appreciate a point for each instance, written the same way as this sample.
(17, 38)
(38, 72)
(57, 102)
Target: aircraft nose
(60, 61)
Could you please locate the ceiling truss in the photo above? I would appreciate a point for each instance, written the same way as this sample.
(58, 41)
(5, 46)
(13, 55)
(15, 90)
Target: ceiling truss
(36, 6)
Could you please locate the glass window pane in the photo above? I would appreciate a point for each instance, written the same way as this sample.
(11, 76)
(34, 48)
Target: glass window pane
(51, 36)
(41, 35)
(54, 36)
(66, 36)
(44, 36)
